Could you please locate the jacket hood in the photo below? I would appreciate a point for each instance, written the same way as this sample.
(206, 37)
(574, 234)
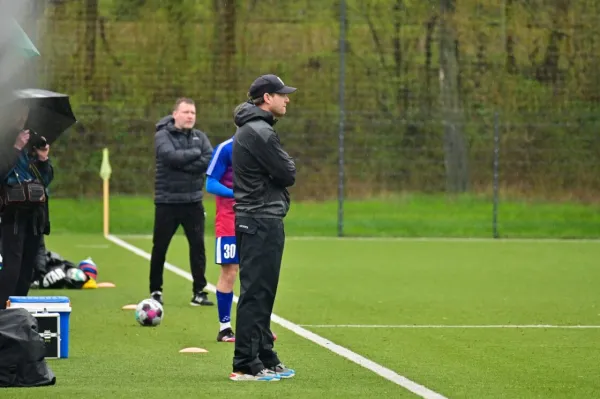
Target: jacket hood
(166, 122)
(247, 112)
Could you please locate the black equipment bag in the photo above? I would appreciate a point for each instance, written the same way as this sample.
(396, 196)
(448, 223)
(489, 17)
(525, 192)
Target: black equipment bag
(22, 350)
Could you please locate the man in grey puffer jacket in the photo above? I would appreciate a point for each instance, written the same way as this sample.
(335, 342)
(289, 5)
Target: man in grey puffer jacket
(182, 157)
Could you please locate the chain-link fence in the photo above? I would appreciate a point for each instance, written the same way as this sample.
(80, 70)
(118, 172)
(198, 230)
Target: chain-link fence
(484, 103)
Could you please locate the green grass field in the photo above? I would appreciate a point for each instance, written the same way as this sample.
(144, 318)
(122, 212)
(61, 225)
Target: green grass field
(407, 215)
(345, 290)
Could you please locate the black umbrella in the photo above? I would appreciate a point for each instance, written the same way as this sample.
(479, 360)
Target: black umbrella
(50, 113)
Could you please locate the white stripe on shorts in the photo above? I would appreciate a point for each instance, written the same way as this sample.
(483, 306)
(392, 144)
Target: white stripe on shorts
(218, 249)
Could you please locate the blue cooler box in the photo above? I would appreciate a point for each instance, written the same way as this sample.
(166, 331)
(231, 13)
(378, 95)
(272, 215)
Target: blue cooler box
(44, 306)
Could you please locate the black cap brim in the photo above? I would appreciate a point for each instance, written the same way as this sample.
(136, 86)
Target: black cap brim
(286, 90)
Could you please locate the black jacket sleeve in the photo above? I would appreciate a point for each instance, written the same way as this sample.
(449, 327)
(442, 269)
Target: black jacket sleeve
(8, 160)
(276, 161)
(46, 171)
(200, 165)
(169, 155)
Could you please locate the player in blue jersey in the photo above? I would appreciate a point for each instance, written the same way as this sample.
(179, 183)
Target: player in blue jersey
(219, 182)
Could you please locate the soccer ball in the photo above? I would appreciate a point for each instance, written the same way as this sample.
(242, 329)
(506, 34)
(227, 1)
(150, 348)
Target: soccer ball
(89, 268)
(76, 278)
(149, 313)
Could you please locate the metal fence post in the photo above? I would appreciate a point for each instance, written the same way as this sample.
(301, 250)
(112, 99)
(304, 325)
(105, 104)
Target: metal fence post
(342, 79)
(496, 167)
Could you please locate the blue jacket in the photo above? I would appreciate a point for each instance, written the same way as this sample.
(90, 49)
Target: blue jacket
(21, 171)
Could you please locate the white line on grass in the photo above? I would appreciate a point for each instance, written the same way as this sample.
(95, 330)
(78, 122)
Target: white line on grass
(384, 372)
(446, 326)
(421, 239)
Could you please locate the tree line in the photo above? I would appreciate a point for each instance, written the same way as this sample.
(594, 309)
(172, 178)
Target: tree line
(426, 86)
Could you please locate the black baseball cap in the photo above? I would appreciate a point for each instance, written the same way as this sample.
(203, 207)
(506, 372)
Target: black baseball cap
(268, 84)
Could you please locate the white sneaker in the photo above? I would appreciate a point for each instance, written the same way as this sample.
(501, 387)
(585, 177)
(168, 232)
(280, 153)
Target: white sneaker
(282, 371)
(264, 375)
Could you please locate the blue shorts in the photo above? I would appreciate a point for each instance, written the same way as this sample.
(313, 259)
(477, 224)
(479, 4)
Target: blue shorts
(226, 251)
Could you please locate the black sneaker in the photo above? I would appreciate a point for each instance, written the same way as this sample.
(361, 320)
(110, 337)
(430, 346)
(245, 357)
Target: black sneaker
(157, 296)
(201, 299)
(226, 335)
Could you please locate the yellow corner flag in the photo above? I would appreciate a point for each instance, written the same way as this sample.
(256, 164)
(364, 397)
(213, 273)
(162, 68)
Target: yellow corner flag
(105, 172)
(105, 169)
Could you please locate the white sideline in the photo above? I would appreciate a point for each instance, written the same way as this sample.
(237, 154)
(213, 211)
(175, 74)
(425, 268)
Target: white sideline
(384, 372)
(93, 246)
(408, 239)
(390, 326)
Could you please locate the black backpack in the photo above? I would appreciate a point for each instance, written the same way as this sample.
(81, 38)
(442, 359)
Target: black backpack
(22, 351)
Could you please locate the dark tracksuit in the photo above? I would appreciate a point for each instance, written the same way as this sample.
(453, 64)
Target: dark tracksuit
(262, 171)
(182, 158)
(22, 226)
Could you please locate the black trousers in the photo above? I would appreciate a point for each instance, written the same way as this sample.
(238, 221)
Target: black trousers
(21, 235)
(260, 244)
(167, 219)
(39, 268)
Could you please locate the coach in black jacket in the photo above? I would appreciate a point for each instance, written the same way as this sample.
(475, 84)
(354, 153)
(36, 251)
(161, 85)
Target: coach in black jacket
(182, 157)
(262, 171)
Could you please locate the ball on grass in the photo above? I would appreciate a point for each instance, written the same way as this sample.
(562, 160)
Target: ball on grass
(149, 313)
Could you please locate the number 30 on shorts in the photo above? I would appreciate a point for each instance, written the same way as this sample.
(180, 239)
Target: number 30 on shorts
(226, 251)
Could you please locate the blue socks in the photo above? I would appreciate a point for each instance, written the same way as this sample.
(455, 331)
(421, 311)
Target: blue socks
(224, 302)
